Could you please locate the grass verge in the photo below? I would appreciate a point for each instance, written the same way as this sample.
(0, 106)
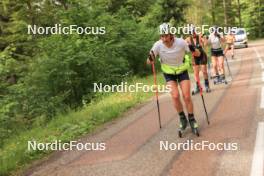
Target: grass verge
(15, 156)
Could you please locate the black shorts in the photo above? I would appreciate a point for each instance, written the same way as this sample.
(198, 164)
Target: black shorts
(201, 60)
(177, 78)
(217, 52)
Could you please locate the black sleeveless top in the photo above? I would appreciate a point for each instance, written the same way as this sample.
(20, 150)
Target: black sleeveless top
(198, 46)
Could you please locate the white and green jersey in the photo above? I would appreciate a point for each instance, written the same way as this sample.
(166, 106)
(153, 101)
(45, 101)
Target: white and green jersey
(172, 59)
(172, 56)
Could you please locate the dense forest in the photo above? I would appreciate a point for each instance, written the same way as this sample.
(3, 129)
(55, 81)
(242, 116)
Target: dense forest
(43, 75)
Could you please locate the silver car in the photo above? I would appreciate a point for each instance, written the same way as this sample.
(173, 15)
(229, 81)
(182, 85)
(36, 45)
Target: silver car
(241, 39)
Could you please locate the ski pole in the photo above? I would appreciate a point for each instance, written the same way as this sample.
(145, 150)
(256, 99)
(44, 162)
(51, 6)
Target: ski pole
(155, 83)
(228, 68)
(208, 66)
(209, 70)
(201, 93)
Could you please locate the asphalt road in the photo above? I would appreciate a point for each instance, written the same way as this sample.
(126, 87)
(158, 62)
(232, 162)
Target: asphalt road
(133, 143)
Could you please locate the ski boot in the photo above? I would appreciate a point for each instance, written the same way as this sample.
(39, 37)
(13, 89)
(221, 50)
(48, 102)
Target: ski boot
(206, 85)
(216, 79)
(207, 89)
(195, 91)
(222, 79)
(194, 126)
(183, 125)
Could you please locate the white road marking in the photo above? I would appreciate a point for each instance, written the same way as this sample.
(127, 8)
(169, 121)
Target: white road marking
(258, 156)
(262, 65)
(259, 58)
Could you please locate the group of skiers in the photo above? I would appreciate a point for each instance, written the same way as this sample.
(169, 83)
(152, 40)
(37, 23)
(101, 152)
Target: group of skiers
(175, 63)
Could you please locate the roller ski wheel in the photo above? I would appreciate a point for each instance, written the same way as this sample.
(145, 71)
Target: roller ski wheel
(196, 132)
(182, 126)
(216, 80)
(207, 89)
(194, 126)
(224, 81)
(180, 134)
(220, 81)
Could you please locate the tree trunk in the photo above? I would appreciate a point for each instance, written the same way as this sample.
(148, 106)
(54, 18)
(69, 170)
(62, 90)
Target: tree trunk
(225, 12)
(31, 12)
(259, 20)
(239, 13)
(64, 4)
(212, 11)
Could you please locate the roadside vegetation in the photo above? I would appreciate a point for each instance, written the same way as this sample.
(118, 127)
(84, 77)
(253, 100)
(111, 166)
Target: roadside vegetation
(46, 81)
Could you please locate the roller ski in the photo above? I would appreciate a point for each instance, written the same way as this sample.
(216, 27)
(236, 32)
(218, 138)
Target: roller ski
(195, 91)
(183, 125)
(194, 126)
(207, 87)
(216, 79)
(220, 80)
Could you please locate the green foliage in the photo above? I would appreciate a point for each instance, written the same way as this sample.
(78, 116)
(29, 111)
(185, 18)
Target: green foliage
(254, 18)
(104, 108)
(45, 75)
(166, 11)
(42, 75)
(238, 13)
(173, 9)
